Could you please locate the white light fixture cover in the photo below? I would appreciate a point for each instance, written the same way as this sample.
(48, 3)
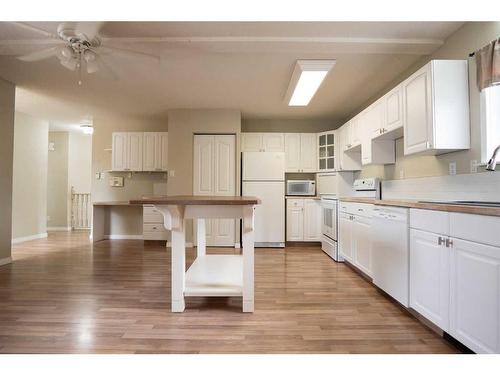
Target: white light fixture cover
(87, 129)
(306, 78)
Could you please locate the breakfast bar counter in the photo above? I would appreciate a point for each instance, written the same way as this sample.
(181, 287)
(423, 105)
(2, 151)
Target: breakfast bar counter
(209, 275)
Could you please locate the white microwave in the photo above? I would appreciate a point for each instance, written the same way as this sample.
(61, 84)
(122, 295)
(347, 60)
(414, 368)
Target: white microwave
(300, 187)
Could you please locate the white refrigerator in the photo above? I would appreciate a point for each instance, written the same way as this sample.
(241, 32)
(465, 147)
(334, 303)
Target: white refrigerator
(263, 176)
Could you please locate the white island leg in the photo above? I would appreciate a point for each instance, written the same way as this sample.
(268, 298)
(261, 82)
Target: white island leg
(178, 258)
(248, 259)
(201, 237)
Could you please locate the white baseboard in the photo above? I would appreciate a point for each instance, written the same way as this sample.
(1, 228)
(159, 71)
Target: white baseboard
(29, 238)
(58, 229)
(5, 261)
(123, 236)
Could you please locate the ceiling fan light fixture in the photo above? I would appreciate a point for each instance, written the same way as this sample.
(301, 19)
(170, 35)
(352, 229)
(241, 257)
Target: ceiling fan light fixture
(66, 53)
(89, 55)
(70, 64)
(92, 66)
(87, 129)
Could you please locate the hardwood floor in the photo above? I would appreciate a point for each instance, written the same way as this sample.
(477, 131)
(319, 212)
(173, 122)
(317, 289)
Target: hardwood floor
(63, 295)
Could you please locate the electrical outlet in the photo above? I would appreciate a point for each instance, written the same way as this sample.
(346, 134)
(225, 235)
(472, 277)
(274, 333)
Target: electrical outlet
(171, 173)
(98, 175)
(473, 166)
(453, 168)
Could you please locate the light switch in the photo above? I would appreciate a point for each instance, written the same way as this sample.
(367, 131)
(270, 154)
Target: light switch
(453, 168)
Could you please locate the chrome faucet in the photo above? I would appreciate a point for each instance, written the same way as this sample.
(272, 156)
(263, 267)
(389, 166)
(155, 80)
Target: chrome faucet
(492, 163)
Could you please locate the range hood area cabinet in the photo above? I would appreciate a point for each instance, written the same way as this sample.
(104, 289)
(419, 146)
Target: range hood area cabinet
(436, 108)
(139, 152)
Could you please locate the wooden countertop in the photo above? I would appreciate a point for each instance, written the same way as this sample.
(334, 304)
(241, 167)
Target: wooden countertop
(302, 197)
(478, 210)
(197, 200)
(112, 203)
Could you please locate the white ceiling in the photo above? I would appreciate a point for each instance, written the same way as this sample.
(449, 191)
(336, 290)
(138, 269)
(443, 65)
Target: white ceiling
(220, 65)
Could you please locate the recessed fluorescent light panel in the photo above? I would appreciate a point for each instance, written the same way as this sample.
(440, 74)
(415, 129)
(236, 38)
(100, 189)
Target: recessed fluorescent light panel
(306, 79)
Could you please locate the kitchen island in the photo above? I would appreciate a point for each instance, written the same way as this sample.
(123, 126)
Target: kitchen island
(209, 275)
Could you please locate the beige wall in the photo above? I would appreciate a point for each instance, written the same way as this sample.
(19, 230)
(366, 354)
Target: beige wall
(57, 181)
(287, 126)
(29, 192)
(128, 221)
(469, 38)
(7, 105)
(182, 125)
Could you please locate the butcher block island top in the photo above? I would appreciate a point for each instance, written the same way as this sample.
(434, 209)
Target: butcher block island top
(187, 200)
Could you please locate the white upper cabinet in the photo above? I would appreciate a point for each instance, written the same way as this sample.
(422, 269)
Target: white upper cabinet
(262, 142)
(345, 161)
(300, 152)
(393, 103)
(155, 152)
(375, 151)
(327, 144)
(126, 151)
(436, 108)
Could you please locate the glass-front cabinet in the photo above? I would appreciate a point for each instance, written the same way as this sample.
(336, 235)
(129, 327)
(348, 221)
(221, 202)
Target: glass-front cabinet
(326, 151)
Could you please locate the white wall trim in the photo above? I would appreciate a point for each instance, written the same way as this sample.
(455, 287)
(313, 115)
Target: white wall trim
(29, 238)
(5, 261)
(58, 229)
(123, 237)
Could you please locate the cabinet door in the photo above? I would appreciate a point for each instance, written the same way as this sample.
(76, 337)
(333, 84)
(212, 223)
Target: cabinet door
(292, 152)
(134, 157)
(273, 142)
(162, 155)
(119, 152)
(366, 120)
(475, 295)
(203, 171)
(362, 244)
(150, 151)
(345, 236)
(417, 111)
(295, 223)
(355, 132)
(312, 220)
(347, 133)
(308, 152)
(224, 165)
(393, 110)
(429, 277)
(251, 142)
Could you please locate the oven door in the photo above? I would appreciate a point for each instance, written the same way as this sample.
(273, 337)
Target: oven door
(329, 217)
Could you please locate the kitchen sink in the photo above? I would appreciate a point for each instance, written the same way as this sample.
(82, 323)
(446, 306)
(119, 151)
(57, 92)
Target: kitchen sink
(466, 203)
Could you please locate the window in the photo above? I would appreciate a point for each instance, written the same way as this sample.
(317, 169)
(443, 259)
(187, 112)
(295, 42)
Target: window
(490, 121)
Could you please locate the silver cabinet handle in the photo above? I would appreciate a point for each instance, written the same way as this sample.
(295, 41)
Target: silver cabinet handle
(449, 242)
(440, 240)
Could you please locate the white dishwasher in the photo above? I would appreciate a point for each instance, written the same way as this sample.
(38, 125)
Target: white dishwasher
(391, 266)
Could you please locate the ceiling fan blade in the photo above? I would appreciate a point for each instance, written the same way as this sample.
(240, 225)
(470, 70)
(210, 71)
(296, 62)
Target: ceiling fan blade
(39, 55)
(35, 29)
(89, 29)
(127, 52)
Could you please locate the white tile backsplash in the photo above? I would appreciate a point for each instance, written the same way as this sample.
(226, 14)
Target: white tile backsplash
(475, 186)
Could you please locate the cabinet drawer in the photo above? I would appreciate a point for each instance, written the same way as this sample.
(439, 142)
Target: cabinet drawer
(476, 228)
(361, 209)
(148, 210)
(294, 203)
(152, 218)
(153, 228)
(430, 221)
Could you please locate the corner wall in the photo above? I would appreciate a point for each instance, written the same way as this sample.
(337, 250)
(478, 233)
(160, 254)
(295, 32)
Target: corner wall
(7, 109)
(29, 191)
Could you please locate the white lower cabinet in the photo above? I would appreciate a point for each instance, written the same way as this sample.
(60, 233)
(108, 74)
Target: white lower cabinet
(475, 295)
(355, 242)
(153, 228)
(303, 220)
(429, 277)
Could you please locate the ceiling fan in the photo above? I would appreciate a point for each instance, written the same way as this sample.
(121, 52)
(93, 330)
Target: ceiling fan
(77, 46)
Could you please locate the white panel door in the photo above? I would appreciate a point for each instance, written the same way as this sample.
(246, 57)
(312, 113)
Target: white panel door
(295, 224)
(273, 142)
(345, 236)
(308, 154)
(312, 220)
(475, 295)
(162, 158)
(429, 277)
(203, 171)
(292, 152)
(215, 174)
(393, 109)
(150, 151)
(252, 142)
(134, 159)
(417, 111)
(119, 151)
(362, 244)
